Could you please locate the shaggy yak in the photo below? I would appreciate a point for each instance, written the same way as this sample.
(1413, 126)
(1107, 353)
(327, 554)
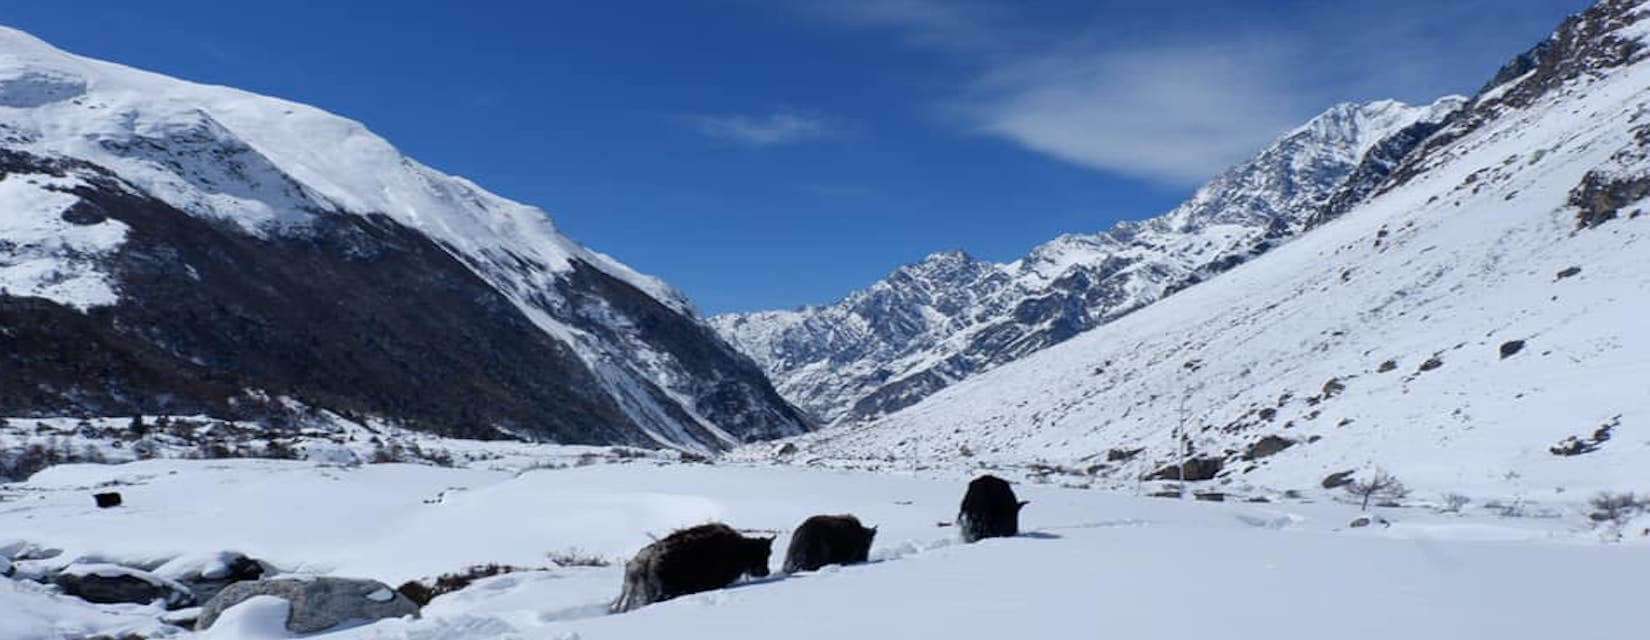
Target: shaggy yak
(989, 510)
(702, 558)
(823, 540)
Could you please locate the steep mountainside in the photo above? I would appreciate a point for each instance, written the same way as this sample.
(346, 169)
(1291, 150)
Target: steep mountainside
(950, 316)
(1477, 324)
(168, 247)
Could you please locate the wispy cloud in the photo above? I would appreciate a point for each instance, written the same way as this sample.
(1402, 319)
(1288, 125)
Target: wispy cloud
(1174, 95)
(778, 128)
(1171, 114)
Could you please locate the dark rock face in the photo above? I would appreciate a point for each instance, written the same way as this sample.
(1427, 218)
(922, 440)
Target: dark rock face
(110, 584)
(362, 316)
(1267, 446)
(106, 500)
(1194, 470)
(1511, 348)
(1372, 172)
(827, 540)
(1585, 43)
(317, 603)
(989, 510)
(1600, 197)
(692, 560)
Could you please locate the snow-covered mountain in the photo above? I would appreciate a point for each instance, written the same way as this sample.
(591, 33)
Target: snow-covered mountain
(1476, 321)
(949, 317)
(171, 247)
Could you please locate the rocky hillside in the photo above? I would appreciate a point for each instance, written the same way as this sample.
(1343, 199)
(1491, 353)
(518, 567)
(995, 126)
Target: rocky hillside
(1475, 324)
(173, 248)
(949, 317)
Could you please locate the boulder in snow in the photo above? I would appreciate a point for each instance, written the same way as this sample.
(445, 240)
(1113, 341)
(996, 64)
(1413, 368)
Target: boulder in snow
(207, 574)
(108, 499)
(315, 603)
(112, 584)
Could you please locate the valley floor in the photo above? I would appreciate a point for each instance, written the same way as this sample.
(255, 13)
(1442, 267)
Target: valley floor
(1090, 563)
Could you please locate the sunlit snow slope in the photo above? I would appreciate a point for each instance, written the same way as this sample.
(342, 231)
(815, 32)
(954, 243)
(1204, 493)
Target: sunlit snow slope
(1480, 322)
(203, 227)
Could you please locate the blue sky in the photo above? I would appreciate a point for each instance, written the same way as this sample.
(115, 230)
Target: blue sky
(770, 154)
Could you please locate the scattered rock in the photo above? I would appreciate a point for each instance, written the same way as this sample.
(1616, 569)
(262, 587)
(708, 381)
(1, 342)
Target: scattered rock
(1387, 366)
(786, 449)
(1366, 520)
(1431, 363)
(1577, 445)
(1267, 446)
(115, 584)
(206, 575)
(1194, 470)
(1333, 388)
(1122, 455)
(316, 603)
(1511, 348)
(106, 500)
(1338, 479)
(1210, 496)
(1569, 273)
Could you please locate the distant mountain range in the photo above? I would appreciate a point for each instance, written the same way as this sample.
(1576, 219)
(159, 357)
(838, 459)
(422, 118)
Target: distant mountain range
(949, 317)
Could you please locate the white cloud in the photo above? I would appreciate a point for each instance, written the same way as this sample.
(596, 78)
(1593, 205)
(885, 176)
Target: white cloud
(781, 127)
(1173, 114)
(1175, 93)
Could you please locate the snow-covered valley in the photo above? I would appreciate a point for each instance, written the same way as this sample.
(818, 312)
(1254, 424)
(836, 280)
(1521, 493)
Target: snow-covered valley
(1088, 562)
(1388, 379)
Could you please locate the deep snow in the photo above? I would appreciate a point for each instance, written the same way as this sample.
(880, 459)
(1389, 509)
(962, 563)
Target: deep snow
(1090, 563)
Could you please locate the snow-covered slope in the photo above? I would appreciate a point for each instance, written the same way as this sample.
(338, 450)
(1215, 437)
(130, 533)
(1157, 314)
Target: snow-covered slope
(266, 175)
(951, 316)
(1479, 321)
(1089, 563)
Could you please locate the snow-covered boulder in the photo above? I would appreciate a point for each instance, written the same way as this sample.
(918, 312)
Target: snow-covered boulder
(207, 574)
(331, 453)
(5, 568)
(316, 603)
(112, 583)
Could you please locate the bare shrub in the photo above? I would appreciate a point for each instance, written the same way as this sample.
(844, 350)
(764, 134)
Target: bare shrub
(1615, 509)
(575, 557)
(1382, 485)
(423, 591)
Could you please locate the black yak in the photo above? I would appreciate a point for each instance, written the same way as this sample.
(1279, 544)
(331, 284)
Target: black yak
(702, 558)
(823, 540)
(989, 510)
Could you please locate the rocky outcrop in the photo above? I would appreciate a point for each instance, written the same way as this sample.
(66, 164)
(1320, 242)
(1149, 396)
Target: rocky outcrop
(111, 584)
(316, 603)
